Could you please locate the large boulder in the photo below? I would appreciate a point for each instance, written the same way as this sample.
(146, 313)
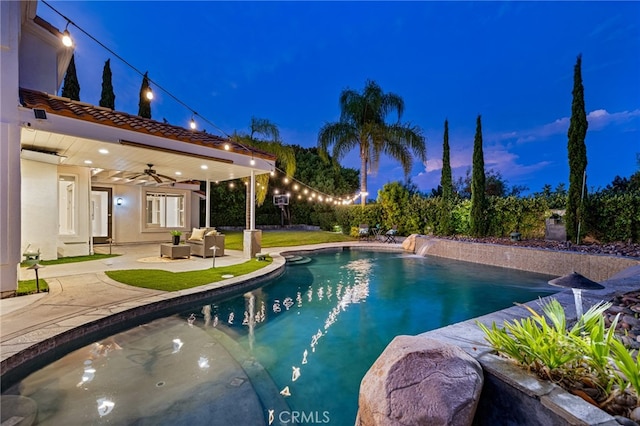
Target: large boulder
(420, 381)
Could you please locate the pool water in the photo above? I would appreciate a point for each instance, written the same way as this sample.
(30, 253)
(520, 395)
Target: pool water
(291, 352)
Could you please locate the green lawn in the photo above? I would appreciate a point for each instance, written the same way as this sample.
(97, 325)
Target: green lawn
(233, 239)
(71, 259)
(29, 287)
(174, 281)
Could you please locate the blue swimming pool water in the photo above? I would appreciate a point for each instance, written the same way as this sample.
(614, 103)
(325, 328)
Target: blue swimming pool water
(315, 330)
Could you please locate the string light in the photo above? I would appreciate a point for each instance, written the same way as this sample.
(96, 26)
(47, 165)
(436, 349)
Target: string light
(66, 37)
(315, 194)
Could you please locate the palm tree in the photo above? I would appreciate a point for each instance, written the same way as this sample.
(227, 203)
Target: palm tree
(362, 124)
(270, 143)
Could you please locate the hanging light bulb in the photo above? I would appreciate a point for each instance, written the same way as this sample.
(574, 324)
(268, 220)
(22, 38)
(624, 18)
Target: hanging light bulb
(252, 162)
(192, 124)
(149, 93)
(66, 37)
(286, 180)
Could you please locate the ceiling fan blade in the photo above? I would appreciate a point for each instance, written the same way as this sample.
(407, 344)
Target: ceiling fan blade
(166, 177)
(157, 179)
(136, 176)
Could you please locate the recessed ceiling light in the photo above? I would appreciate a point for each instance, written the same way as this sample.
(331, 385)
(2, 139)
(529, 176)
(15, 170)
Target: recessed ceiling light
(103, 151)
(178, 173)
(204, 167)
(88, 162)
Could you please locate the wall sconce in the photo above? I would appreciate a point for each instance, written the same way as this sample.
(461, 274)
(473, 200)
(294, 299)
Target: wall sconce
(119, 201)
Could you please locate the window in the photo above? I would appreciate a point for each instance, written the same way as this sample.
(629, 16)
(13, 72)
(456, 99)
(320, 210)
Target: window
(164, 210)
(67, 211)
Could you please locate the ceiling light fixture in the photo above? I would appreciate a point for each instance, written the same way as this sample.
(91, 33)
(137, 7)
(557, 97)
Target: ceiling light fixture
(103, 151)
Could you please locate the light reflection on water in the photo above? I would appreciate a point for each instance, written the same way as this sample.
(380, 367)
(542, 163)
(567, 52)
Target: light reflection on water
(316, 330)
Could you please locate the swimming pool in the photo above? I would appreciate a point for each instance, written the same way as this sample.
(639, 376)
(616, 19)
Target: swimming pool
(293, 351)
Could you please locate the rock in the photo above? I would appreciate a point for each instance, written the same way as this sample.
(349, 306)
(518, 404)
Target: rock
(420, 381)
(632, 321)
(635, 414)
(625, 421)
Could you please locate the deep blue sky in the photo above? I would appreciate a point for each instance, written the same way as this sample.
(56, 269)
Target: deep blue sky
(511, 62)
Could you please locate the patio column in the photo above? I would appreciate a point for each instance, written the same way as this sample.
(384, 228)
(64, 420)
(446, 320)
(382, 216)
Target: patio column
(207, 202)
(252, 242)
(10, 179)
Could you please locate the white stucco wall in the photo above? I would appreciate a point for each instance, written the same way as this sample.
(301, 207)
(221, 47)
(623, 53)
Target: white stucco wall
(128, 218)
(9, 148)
(39, 215)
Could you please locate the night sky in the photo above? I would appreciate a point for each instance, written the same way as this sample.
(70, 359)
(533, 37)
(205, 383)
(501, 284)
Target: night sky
(511, 62)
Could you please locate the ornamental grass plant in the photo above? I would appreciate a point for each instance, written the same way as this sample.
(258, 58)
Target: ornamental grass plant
(586, 358)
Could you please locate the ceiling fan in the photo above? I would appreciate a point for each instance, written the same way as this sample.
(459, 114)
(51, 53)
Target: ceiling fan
(152, 173)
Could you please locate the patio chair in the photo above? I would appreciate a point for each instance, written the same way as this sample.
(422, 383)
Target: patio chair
(390, 235)
(363, 231)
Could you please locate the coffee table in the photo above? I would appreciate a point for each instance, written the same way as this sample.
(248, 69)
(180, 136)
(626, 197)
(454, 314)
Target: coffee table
(173, 251)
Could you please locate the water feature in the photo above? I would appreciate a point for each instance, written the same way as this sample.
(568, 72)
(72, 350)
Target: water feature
(293, 351)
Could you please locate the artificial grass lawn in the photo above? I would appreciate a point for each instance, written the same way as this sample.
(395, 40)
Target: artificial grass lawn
(233, 239)
(71, 259)
(174, 281)
(29, 287)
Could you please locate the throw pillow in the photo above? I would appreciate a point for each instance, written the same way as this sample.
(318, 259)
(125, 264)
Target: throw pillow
(212, 232)
(197, 234)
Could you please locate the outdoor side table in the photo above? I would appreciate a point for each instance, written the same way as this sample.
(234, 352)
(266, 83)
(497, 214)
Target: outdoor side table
(173, 251)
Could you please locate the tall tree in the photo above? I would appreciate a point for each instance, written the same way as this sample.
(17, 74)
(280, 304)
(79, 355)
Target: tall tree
(478, 218)
(446, 180)
(577, 151)
(107, 98)
(271, 143)
(144, 105)
(362, 125)
(444, 225)
(71, 86)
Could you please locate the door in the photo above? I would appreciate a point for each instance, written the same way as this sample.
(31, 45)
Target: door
(101, 215)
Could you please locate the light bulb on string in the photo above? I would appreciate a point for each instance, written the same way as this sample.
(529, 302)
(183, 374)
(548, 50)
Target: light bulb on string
(296, 187)
(192, 124)
(149, 93)
(285, 180)
(253, 161)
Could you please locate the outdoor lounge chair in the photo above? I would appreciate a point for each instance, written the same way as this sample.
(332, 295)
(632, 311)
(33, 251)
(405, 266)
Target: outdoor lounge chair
(390, 235)
(363, 231)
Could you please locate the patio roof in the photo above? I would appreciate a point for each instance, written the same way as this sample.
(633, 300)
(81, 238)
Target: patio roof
(74, 133)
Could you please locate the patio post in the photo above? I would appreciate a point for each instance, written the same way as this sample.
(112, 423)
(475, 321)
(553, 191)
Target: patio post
(252, 242)
(207, 215)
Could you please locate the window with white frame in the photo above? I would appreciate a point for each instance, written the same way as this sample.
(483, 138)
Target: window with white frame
(67, 205)
(164, 210)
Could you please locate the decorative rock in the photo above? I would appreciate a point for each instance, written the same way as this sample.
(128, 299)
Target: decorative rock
(420, 381)
(635, 414)
(632, 321)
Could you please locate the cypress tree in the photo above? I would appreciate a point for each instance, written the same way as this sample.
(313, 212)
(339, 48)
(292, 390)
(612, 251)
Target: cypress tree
(71, 87)
(446, 181)
(577, 151)
(107, 98)
(144, 105)
(478, 222)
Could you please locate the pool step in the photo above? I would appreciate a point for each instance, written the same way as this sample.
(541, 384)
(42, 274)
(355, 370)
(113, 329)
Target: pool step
(297, 260)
